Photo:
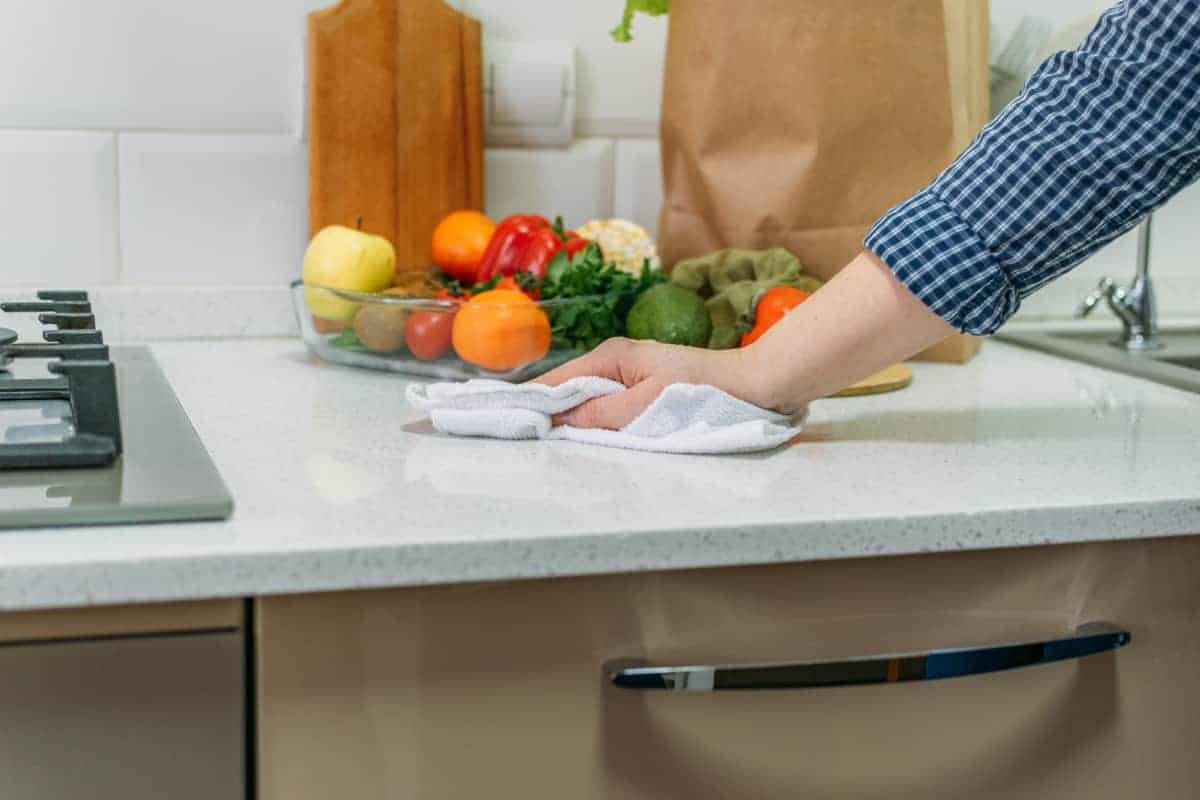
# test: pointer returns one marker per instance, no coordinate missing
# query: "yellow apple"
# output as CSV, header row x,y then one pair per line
x,y
343,258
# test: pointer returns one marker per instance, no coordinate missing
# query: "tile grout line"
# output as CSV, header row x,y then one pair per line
x,y
117,216
611,210
182,131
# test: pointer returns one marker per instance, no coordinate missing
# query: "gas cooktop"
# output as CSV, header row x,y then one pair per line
x,y
91,434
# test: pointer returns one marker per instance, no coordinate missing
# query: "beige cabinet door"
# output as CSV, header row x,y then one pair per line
x,y
497,690
123,719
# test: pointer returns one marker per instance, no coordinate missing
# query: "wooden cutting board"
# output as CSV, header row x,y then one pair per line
x,y
395,119
892,379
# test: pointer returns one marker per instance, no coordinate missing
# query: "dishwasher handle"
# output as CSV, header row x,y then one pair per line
x,y
1089,639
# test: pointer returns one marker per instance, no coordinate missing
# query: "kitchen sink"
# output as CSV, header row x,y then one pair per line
x,y
1176,364
1188,363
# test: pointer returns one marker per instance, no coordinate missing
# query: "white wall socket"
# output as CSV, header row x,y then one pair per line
x,y
529,93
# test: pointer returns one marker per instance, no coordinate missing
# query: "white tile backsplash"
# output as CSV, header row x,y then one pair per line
x,y
576,182
1174,266
212,209
1059,299
217,65
1175,249
638,189
58,200
619,85
203,101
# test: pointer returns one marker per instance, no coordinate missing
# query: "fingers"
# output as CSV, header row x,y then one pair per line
x,y
614,411
603,362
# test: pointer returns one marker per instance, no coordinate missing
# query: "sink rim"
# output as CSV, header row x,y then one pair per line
x,y
1093,347
1190,362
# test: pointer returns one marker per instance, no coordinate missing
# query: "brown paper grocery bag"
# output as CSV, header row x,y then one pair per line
x,y
797,123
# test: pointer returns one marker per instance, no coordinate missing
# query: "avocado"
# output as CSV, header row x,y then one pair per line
x,y
670,314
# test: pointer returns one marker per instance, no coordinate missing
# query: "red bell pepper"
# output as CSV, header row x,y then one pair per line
x,y
525,243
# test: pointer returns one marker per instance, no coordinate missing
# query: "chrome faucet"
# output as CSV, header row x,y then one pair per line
x,y
1134,304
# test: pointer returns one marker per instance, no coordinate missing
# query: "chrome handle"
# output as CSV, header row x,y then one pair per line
x,y
1106,290
1088,640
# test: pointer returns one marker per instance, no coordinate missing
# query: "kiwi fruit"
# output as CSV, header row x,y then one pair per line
x,y
380,326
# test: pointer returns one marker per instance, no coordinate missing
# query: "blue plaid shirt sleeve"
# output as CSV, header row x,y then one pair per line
x,y
1098,138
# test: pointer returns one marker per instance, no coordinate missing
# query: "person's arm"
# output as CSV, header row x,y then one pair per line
x,y
1099,137
860,322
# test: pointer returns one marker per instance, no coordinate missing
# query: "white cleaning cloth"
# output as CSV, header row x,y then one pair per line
x,y
684,419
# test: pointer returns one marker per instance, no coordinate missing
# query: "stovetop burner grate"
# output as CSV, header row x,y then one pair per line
x,y
80,373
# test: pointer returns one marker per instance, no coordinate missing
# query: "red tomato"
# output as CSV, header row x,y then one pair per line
x,y
427,333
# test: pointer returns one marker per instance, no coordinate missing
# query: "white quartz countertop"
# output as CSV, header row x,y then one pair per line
x,y
340,485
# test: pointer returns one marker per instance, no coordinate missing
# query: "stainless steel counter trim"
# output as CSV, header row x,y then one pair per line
x,y
1172,365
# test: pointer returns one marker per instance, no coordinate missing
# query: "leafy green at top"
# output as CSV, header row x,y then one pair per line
x,y
655,8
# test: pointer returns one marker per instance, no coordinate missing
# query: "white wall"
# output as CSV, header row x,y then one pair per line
x,y
158,143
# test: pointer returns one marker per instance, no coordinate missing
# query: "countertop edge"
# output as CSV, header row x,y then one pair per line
x,y
390,566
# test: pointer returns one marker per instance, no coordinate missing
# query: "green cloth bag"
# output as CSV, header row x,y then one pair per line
x,y
731,281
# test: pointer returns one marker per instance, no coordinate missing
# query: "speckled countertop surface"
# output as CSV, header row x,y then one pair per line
x,y
340,485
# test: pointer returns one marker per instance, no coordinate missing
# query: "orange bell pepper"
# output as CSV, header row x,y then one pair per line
x,y
773,306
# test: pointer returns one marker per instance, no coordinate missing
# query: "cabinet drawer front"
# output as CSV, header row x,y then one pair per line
x,y
123,719
498,690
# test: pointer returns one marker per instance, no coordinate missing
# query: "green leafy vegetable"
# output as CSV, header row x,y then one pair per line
x,y
527,281
655,8
456,288
346,340
487,285
584,325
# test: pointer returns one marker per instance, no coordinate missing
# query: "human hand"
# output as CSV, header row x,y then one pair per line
x,y
647,368
860,322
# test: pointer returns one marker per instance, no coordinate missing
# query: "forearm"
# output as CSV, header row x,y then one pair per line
x,y
859,323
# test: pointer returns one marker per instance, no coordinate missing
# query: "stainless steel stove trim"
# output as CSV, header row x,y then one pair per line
x,y
164,475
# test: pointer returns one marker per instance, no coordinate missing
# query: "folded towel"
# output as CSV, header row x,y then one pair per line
x,y
684,419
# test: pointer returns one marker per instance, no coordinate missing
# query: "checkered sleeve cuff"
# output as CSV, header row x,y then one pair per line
x,y
945,263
